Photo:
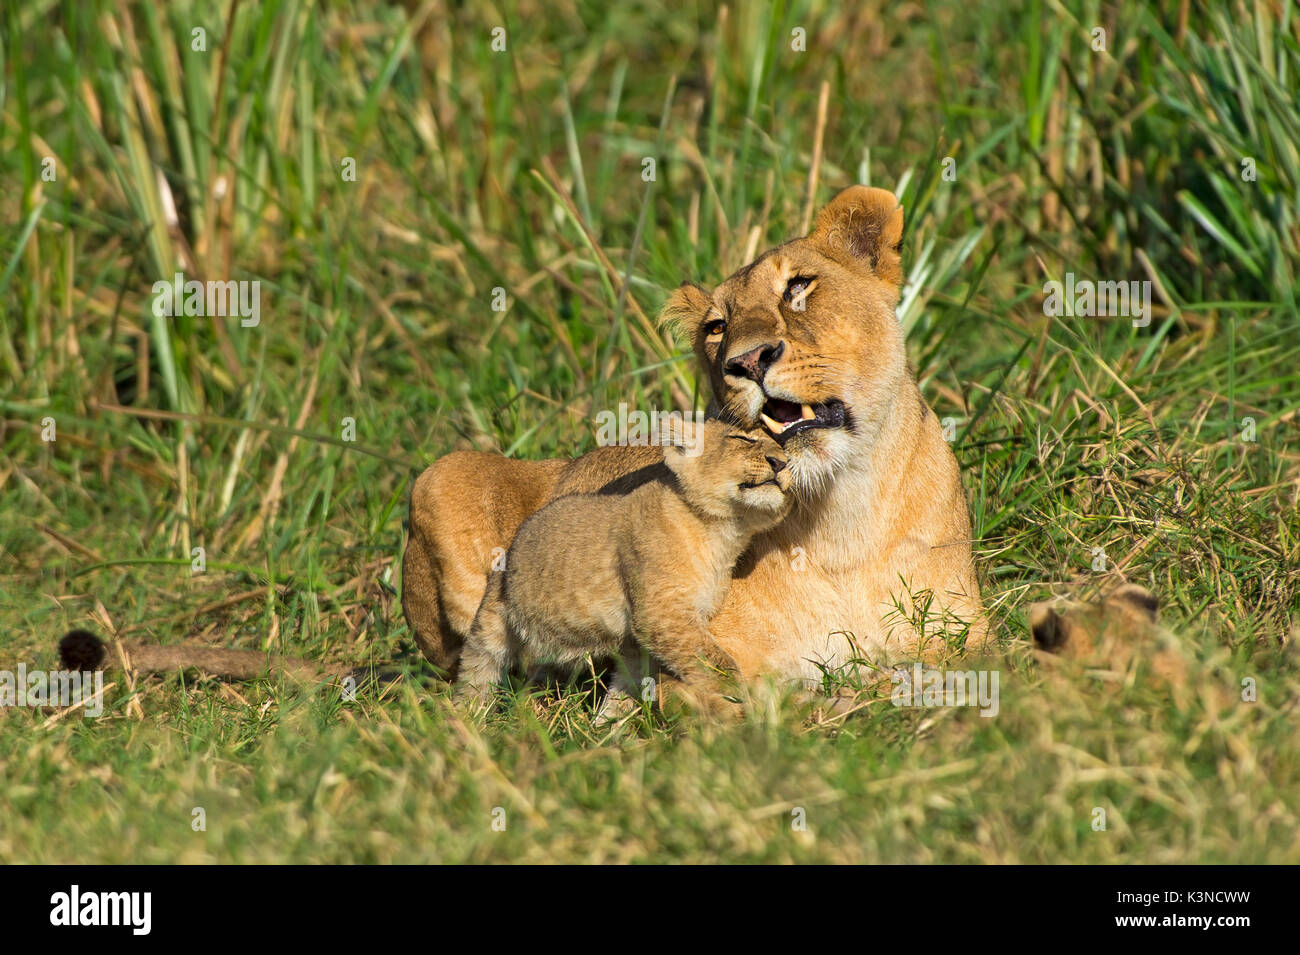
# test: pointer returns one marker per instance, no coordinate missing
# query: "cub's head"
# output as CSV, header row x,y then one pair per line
x,y
1127,615
1119,632
731,473
804,341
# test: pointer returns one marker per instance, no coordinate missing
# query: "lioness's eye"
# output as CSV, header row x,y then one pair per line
x,y
715,328
796,287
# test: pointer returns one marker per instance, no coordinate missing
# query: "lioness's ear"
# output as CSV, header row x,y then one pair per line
x,y
866,224
685,309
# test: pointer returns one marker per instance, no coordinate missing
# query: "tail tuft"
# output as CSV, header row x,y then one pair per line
x,y
81,650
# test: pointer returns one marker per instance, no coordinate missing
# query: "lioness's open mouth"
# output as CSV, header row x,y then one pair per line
x,y
785,419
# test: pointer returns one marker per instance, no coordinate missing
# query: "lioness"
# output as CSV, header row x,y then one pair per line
x,y
805,341
611,575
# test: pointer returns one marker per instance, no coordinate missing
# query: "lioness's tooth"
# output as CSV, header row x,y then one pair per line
x,y
773,426
808,414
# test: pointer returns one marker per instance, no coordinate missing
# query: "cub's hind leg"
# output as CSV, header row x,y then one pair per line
x,y
487,655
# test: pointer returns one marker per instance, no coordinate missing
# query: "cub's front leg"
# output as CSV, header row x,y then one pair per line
x,y
698,668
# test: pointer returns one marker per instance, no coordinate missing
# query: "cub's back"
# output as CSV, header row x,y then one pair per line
x,y
564,584
565,548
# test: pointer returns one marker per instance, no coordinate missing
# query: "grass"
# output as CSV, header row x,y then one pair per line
x,y
522,170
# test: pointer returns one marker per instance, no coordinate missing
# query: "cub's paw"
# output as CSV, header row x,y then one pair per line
x,y
617,705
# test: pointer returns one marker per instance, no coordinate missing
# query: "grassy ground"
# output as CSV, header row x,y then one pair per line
x,y
523,170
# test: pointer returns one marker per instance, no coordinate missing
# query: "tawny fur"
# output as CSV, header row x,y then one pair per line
x,y
1112,633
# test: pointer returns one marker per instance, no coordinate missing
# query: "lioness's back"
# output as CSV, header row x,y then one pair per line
x,y
611,470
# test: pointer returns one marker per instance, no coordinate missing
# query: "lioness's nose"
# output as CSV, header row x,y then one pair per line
x,y
777,465
755,362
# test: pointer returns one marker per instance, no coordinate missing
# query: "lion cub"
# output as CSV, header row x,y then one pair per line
x,y
610,575
1115,632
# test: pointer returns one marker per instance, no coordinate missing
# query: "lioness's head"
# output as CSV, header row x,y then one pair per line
x,y
732,473
804,341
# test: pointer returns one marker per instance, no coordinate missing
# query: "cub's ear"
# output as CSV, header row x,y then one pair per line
x,y
681,438
685,309
676,457
866,224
